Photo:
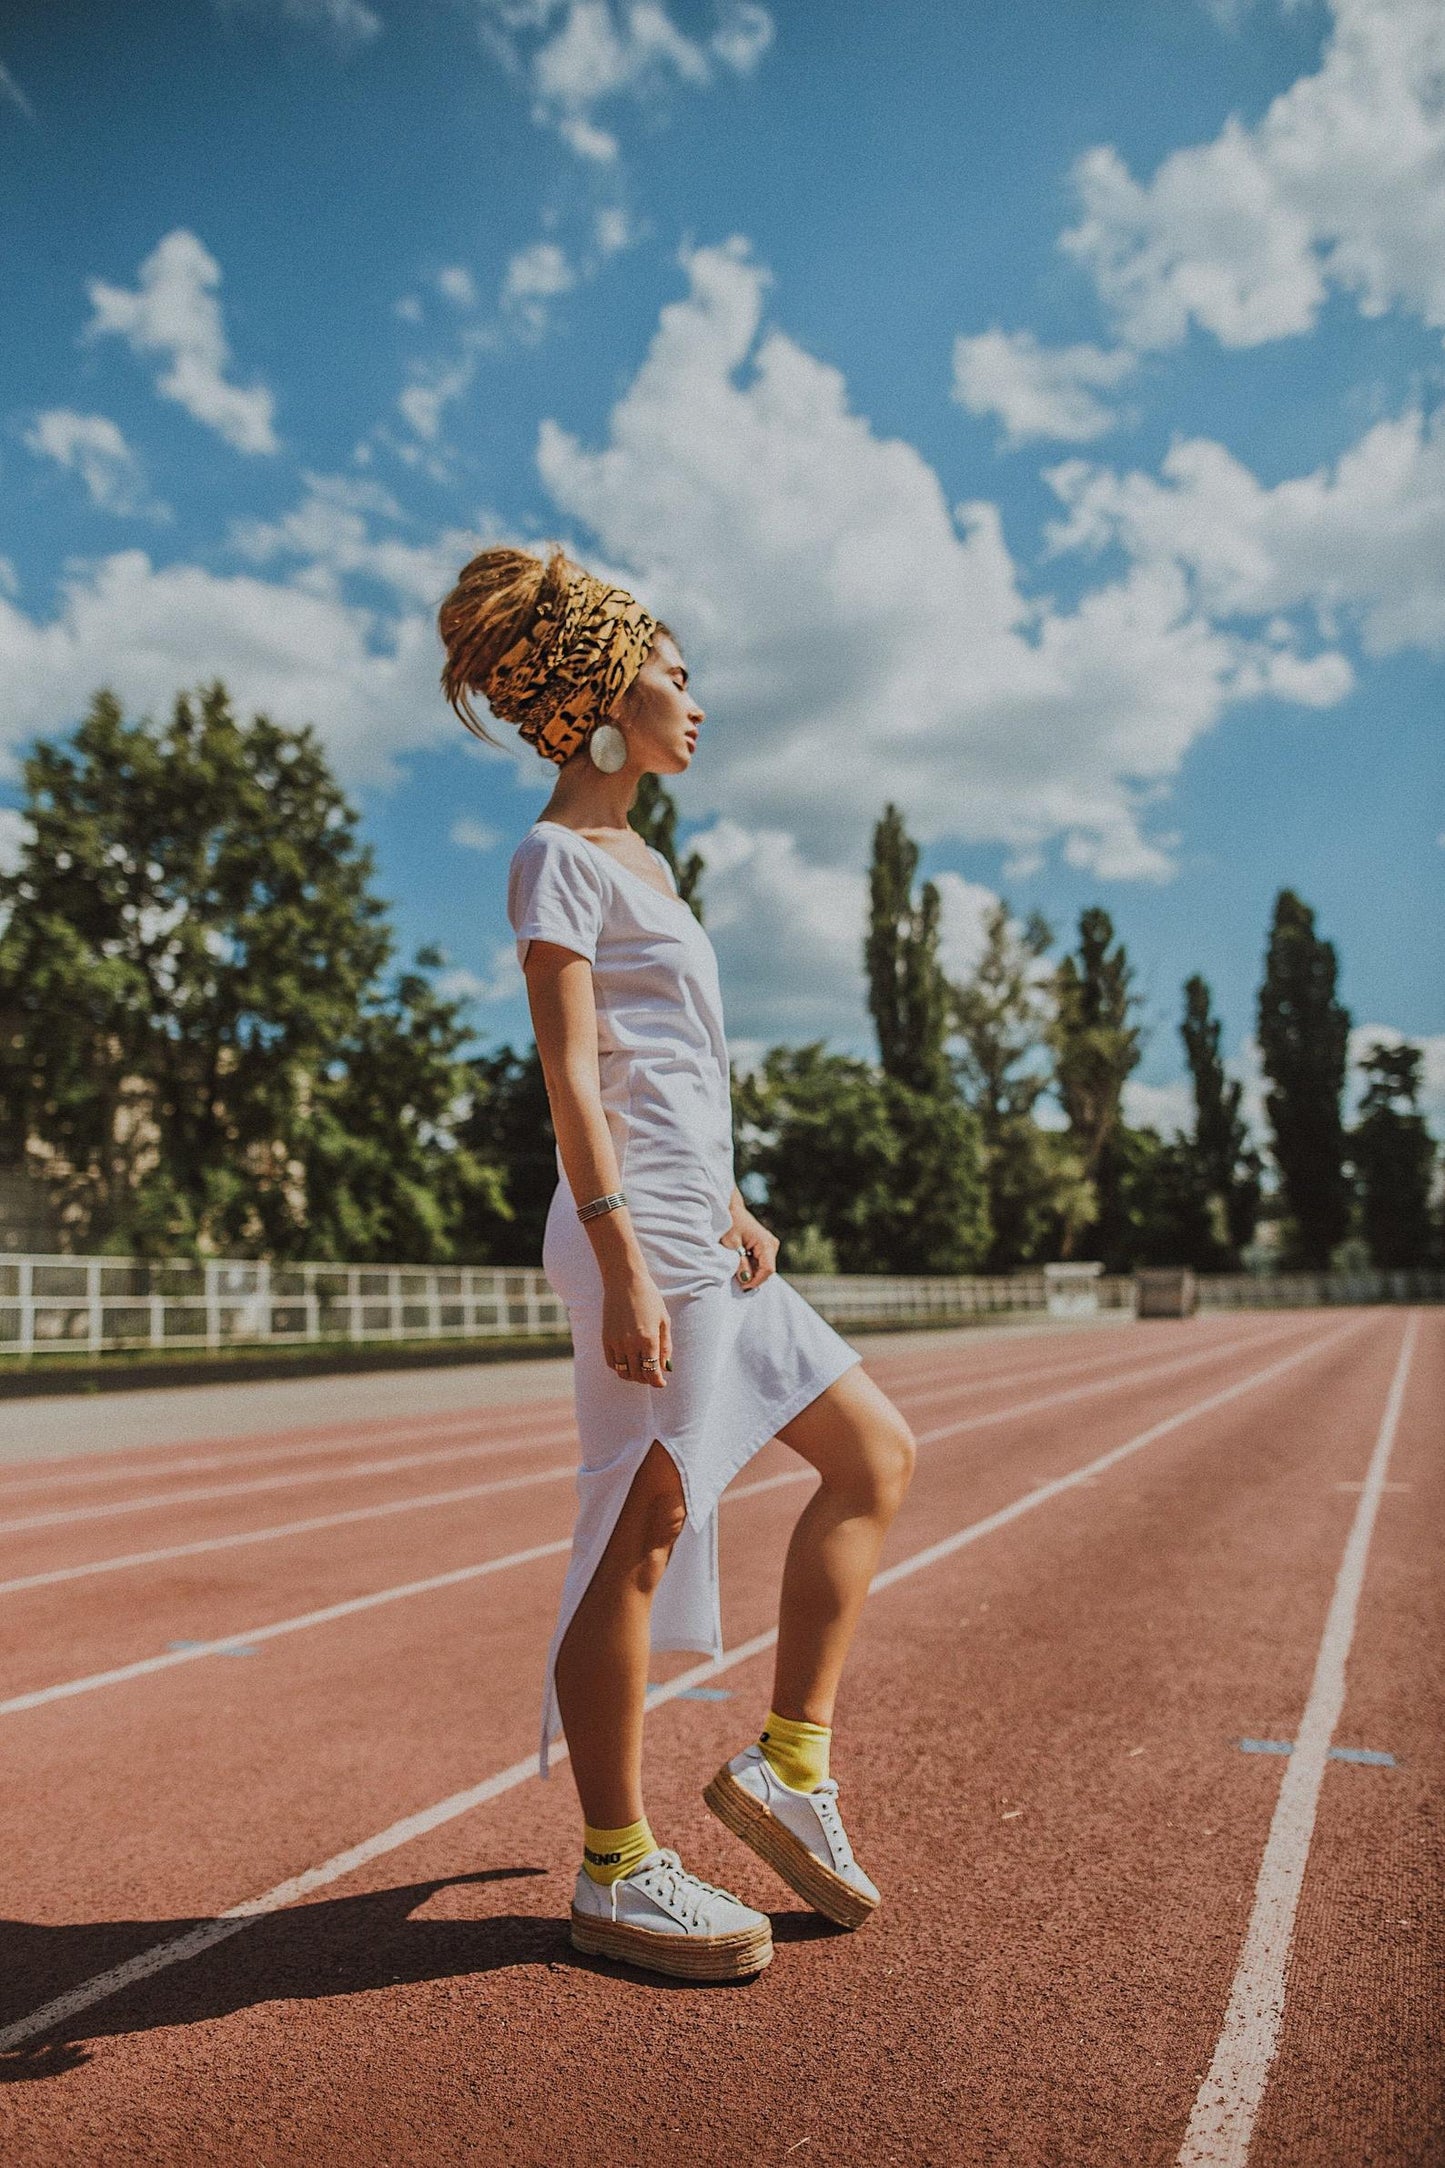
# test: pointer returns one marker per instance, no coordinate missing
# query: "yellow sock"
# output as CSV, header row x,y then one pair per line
x,y
609,1854
797,1752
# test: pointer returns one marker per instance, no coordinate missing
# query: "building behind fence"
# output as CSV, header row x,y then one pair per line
x,y
91,1305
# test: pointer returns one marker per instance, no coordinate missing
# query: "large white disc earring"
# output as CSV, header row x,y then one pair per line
x,y
608,748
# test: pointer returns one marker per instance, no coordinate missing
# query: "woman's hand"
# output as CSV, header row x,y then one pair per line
x,y
759,1248
636,1328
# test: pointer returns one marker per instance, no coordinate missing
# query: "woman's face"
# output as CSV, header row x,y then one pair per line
x,y
657,714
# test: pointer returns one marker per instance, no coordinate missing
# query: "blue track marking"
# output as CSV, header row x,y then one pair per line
x,y
1371,1756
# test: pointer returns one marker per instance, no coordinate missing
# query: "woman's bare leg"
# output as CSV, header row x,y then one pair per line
x,y
864,1451
602,1663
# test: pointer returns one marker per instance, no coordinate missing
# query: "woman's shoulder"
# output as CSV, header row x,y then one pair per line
x,y
549,840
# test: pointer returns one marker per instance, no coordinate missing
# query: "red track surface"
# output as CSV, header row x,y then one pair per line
x,y
1038,1745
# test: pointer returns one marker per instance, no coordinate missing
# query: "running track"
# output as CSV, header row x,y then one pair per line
x,y
283,1890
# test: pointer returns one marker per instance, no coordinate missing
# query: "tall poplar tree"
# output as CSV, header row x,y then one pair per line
x,y
1394,1159
907,993
1096,1045
1000,1019
1304,1033
1227,1165
937,1217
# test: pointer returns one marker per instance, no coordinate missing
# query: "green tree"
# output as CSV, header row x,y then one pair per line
x,y
812,1130
886,1175
1304,1033
198,1043
1394,1158
509,1122
907,993
654,816
1000,1015
1228,1167
1096,1046
390,1172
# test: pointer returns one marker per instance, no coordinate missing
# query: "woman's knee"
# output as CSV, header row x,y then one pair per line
x,y
875,1474
658,1516
895,1455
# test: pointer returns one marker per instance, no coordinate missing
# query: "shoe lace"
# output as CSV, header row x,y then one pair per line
x,y
685,1893
825,1801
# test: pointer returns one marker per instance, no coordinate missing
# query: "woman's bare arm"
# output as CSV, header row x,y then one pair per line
x,y
564,1020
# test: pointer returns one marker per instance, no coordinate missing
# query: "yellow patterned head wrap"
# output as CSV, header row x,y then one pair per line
x,y
582,650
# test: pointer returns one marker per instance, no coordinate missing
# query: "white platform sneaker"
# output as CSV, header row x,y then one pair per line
x,y
670,1921
799,1834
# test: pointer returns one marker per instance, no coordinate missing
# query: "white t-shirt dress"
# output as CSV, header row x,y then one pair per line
x,y
745,1360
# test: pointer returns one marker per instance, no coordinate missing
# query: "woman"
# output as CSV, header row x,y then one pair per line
x,y
691,1350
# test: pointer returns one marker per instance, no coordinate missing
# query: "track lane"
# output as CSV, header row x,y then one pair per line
x,y
369,1695
94,1631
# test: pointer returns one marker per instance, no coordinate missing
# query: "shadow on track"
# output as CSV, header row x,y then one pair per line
x,y
342,1946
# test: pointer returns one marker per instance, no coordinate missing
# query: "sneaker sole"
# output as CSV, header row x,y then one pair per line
x,y
786,1854
684,1957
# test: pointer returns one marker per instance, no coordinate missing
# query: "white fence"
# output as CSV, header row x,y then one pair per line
x,y
88,1305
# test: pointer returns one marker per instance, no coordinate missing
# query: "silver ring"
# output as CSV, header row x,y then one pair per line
x,y
621,1369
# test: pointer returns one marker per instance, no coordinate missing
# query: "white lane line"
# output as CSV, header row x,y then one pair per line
x,y
1222,2123
1068,1393
198,1939
354,1471
985,1384
55,1575
427,1501
1077,1478
435,1430
226,1644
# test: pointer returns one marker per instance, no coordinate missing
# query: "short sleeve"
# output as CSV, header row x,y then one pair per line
x,y
555,893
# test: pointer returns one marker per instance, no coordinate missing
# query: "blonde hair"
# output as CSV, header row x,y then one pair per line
x,y
491,608
495,604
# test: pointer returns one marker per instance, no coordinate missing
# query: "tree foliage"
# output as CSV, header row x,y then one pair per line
x,y
1000,1017
907,992
1096,1045
1227,1168
199,1042
886,1175
1394,1159
1304,1033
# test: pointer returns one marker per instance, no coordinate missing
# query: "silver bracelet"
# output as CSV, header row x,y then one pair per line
x,y
600,1205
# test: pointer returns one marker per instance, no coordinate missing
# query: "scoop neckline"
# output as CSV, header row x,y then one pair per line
x,y
617,862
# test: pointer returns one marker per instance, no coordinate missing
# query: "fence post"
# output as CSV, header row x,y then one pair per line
x,y
96,1335
26,1288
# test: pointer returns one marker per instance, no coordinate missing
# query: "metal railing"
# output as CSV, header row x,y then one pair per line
x,y
91,1305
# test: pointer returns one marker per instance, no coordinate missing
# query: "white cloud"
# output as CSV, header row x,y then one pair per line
x,y
350,22
1038,391
535,276
15,833
809,984
613,230
434,386
1364,540
503,980
470,834
964,907
174,313
91,446
577,55
1340,185
455,281
408,308
331,535
845,623
367,680
10,89
1432,1045
1167,1108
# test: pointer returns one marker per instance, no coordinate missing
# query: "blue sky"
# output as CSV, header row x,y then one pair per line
x,y
1030,415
